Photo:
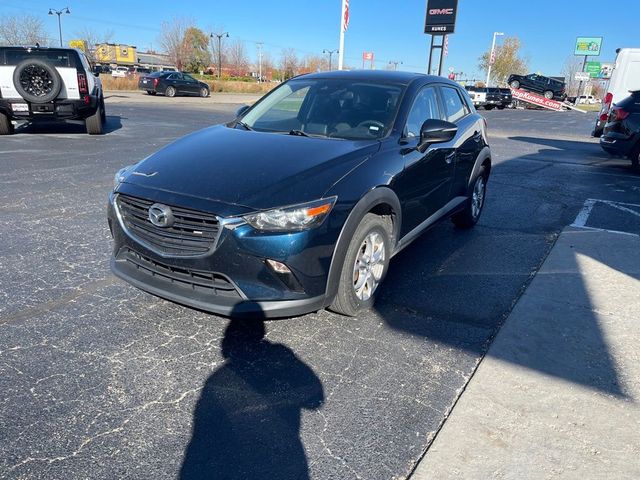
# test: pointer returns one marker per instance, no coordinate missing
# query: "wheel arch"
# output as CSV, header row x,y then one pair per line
x,y
382,201
483,160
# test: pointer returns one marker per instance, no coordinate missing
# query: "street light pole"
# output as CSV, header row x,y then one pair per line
x,y
259,44
219,36
59,13
395,64
330,52
491,55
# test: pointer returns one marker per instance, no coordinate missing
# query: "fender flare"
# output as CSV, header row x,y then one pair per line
x,y
373,198
484,154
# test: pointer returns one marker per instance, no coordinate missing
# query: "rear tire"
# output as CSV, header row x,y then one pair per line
x,y
468,217
170,92
6,127
95,123
515,84
548,94
365,266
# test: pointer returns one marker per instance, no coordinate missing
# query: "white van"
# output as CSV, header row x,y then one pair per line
x,y
624,78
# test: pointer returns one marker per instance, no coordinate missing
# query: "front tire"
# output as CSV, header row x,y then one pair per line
x,y
515,84
468,217
6,127
204,92
365,266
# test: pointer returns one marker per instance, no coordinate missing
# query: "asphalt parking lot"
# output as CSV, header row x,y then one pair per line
x,y
100,380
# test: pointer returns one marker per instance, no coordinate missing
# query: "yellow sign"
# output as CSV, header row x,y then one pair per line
x,y
79,44
120,54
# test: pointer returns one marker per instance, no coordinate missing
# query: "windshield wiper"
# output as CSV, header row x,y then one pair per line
x,y
244,125
299,133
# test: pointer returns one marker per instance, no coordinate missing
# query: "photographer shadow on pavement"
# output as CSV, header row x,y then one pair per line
x,y
247,420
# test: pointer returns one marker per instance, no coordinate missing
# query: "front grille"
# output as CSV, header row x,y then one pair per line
x,y
197,281
193,233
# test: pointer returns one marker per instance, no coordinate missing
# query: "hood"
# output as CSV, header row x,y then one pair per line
x,y
253,170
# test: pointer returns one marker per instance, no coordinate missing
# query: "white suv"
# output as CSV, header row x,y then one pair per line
x,y
39,83
120,72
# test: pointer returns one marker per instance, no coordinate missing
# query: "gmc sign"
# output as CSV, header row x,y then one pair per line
x,y
441,16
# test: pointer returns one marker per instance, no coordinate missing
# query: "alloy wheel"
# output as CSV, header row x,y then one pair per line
x,y
477,197
36,80
369,265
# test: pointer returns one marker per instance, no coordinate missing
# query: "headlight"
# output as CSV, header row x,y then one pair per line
x,y
121,176
294,218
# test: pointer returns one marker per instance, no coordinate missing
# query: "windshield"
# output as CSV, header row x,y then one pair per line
x,y
327,108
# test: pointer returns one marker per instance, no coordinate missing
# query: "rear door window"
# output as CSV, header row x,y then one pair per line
x,y
59,58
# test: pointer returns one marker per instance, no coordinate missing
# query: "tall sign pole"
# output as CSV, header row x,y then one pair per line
x,y
440,21
344,24
492,56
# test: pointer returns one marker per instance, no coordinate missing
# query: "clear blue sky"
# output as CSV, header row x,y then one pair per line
x,y
391,29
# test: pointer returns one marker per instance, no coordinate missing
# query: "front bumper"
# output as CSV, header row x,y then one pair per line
x,y
233,279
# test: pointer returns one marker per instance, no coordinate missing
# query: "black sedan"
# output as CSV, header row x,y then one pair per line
x,y
621,134
301,202
172,84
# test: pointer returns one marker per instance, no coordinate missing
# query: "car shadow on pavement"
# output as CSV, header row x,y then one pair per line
x,y
572,151
247,421
114,122
463,302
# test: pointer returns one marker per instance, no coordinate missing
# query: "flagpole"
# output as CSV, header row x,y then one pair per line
x,y
341,48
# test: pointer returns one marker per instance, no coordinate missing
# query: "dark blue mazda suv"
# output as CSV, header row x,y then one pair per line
x,y
301,202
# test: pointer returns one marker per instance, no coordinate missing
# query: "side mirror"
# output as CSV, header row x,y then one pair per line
x,y
241,110
436,131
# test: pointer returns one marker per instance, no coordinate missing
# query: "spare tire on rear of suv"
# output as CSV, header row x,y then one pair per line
x,y
37,81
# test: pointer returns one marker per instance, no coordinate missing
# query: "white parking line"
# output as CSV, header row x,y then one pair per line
x,y
587,208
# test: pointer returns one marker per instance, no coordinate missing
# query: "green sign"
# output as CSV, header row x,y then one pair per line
x,y
588,46
593,69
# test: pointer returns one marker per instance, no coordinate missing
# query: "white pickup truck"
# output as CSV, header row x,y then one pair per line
x,y
39,83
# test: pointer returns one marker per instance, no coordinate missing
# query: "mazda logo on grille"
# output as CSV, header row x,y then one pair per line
x,y
160,215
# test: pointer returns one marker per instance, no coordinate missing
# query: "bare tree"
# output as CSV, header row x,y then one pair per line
x,y
172,39
93,38
288,63
237,58
507,60
572,65
314,63
22,30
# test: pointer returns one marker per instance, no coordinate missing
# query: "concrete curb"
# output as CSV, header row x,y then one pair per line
x,y
557,394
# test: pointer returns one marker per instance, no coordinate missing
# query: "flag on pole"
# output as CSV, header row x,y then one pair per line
x,y
345,14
